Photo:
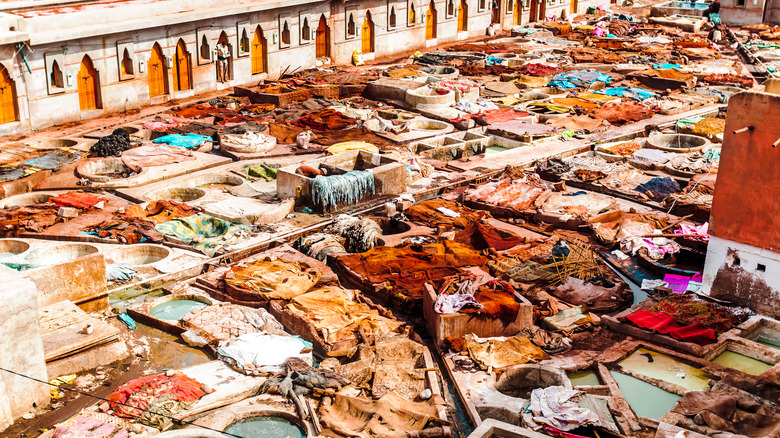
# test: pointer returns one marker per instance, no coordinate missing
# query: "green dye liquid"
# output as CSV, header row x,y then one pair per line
x,y
769,342
176,309
265,427
742,363
665,368
645,399
494,149
585,378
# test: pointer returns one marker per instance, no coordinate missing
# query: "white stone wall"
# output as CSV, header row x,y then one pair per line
x,y
747,275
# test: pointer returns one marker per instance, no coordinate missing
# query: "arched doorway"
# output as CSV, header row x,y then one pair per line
x,y
430,22
463,16
8,111
156,77
87,85
534,11
323,38
258,52
573,6
367,37
517,13
223,38
182,68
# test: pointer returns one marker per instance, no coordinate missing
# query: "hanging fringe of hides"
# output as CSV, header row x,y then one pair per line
x,y
319,245
349,188
581,262
361,234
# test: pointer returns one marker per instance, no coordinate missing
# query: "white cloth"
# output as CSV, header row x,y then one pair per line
x,y
446,304
265,353
552,406
223,51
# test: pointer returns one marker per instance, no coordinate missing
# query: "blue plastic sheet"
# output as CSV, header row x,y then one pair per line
x,y
635,93
187,141
667,66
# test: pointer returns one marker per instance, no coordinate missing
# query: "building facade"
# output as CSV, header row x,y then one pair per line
x,y
68,61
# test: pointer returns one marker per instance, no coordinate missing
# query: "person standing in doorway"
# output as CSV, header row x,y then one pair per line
x,y
223,53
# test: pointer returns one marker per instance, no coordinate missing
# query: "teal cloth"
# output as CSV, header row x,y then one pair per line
x,y
187,141
204,232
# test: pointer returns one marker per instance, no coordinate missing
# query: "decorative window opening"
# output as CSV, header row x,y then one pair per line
x,y
205,50
392,17
127,63
55,77
286,34
351,26
305,30
244,42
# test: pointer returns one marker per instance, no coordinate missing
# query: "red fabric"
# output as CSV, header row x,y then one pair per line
x,y
665,324
142,392
76,200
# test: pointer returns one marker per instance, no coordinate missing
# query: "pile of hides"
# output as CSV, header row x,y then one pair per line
x,y
349,188
658,188
482,235
186,141
361,234
249,141
579,123
441,213
124,230
692,163
577,205
160,211
111,145
54,160
600,298
689,318
158,125
326,120
408,269
250,211
93,425
622,112
508,193
28,218
554,406
80,200
158,155
726,412
576,260
270,279
223,322
320,245
263,354
569,320
206,233
656,247
339,317
479,295
144,397
394,365
502,352
619,225
634,93
391,416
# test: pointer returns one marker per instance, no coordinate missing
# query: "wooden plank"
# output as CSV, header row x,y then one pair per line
x,y
62,324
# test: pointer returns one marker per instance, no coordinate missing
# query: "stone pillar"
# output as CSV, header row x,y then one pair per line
x,y
21,350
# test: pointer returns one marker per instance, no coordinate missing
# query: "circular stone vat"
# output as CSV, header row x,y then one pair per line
x,y
504,55
677,142
140,254
426,96
423,124
12,247
392,114
53,143
174,310
131,130
60,254
266,426
24,199
390,227
178,194
214,181
103,169
519,381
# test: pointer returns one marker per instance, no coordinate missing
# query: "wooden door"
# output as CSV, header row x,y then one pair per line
x,y
8,111
182,64
368,35
534,7
573,6
258,52
87,85
156,77
323,38
542,10
517,13
463,16
430,22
